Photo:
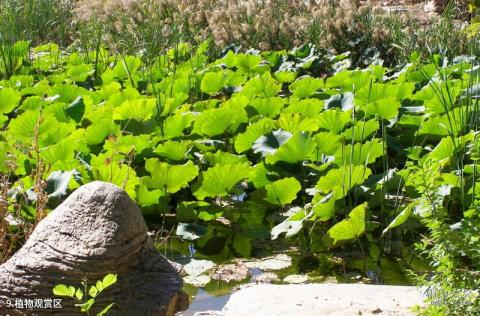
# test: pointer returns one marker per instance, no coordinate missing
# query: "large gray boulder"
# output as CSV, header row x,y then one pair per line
x,y
97,230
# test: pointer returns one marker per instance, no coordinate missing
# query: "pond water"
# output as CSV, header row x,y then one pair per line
x,y
318,268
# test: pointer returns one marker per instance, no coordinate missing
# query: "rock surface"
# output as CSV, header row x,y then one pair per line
x,y
323,299
97,230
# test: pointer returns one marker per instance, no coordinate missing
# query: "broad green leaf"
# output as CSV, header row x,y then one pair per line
x,y
173,150
326,144
80,73
361,131
147,197
224,158
351,227
175,125
384,109
76,109
219,180
283,191
139,109
269,107
268,144
261,86
120,174
244,141
9,100
298,148
333,120
343,179
170,178
306,107
359,154
213,82
296,123
305,86
401,217
213,122
324,209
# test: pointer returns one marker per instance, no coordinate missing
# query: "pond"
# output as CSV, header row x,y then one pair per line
x,y
209,280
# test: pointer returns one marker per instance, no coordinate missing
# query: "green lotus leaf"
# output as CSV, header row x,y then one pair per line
x,y
269,107
401,217
170,178
126,67
9,100
76,109
360,154
333,120
296,123
282,192
213,122
306,107
224,158
138,109
173,150
120,174
342,180
285,76
305,86
384,109
62,152
351,227
127,143
80,73
213,82
146,197
361,131
261,86
244,141
269,143
260,176
219,180
298,148
246,62
326,144
174,125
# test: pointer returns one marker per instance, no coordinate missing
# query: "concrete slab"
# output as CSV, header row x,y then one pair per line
x,y
323,299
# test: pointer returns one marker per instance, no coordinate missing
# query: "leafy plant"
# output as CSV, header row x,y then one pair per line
x,y
85,295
